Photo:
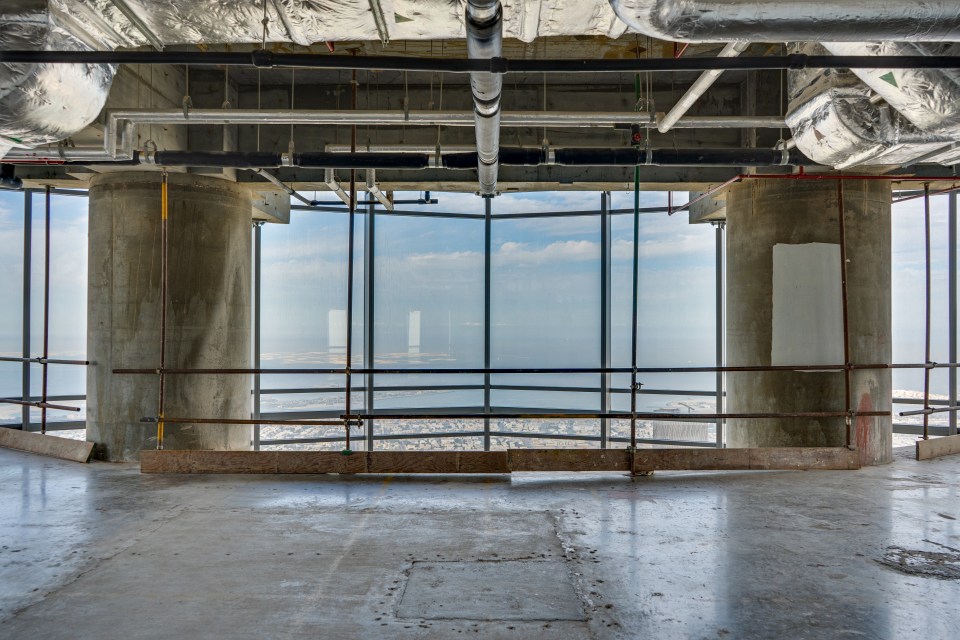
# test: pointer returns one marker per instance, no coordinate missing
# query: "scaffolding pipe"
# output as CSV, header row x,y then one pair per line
x,y
46,312
265,59
700,86
484,25
927,305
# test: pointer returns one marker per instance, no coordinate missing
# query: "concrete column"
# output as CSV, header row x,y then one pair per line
x,y
760,215
208,314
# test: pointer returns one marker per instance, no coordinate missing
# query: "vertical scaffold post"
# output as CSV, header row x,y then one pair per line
x,y
164,283
46,309
841,222
257,285
927,304
27,262
348,385
487,245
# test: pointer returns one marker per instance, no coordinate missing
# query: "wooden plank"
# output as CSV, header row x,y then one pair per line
x,y
46,445
804,458
320,462
484,462
174,461
569,460
396,462
773,458
936,447
413,461
687,459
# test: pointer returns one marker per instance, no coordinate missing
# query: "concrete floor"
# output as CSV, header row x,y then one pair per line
x,y
100,551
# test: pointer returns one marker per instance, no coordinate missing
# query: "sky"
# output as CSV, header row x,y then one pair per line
x,y
545,286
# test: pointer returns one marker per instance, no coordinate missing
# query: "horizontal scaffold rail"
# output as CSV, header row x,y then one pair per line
x,y
540,370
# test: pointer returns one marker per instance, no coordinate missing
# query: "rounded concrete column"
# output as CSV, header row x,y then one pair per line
x,y
208,313
762,214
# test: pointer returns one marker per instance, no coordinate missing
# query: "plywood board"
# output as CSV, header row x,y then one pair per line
x,y
46,445
936,447
569,460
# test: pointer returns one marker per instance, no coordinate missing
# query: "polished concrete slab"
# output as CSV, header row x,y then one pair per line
x,y
102,551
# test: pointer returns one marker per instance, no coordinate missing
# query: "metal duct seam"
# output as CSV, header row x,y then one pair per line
x,y
43,103
792,20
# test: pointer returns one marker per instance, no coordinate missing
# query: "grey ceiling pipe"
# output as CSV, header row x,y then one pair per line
x,y
484,22
792,20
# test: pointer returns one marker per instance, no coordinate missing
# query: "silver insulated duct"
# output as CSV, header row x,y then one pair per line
x,y
43,103
792,20
484,23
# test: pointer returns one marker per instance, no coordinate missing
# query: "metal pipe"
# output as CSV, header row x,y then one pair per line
x,y
791,20
39,360
334,185
635,294
43,405
952,302
700,86
216,421
25,319
369,315
262,58
164,275
257,288
719,328
375,191
484,26
686,417
542,370
841,223
279,183
927,305
487,313
46,311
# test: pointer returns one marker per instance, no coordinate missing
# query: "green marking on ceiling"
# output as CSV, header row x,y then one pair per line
x,y
399,18
888,77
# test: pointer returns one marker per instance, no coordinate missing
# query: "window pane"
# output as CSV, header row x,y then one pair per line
x,y
11,279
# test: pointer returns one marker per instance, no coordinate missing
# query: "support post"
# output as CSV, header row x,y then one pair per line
x,y
719,328
27,262
257,262
605,315
487,242
46,309
952,303
369,237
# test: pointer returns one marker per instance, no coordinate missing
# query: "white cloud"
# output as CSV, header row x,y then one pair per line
x,y
521,253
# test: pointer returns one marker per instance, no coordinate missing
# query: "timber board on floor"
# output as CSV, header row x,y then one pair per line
x,y
446,462
46,445
936,447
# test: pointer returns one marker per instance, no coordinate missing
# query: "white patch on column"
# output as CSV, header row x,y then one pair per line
x,y
807,305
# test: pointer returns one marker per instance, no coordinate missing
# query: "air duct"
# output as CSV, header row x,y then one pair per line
x,y
44,103
484,23
876,116
792,20
837,121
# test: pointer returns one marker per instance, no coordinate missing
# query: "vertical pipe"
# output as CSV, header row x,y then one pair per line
x,y
164,268
842,229
27,263
350,251
257,262
605,300
487,241
719,334
46,309
952,303
636,307
926,371
369,291
484,26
